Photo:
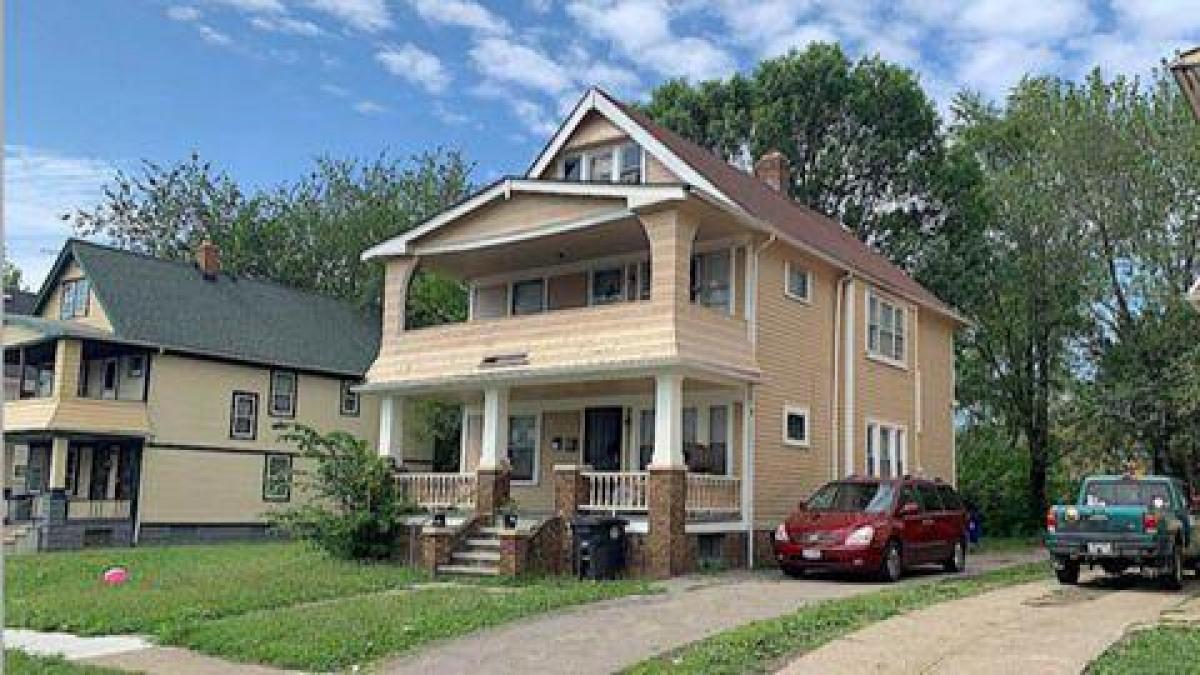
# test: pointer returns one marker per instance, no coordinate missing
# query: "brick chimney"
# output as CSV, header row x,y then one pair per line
x,y
208,259
772,169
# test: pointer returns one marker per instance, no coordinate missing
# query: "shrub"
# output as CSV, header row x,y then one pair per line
x,y
353,508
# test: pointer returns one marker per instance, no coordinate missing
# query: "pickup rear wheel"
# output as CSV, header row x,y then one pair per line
x,y
1172,578
1067,572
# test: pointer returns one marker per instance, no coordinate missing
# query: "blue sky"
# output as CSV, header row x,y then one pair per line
x,y
260,87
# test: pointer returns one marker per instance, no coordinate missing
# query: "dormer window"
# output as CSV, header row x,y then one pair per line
x,y
605,164
74,301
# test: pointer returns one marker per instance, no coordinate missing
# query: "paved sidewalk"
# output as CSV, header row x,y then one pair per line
x,y
608,636
1059,630
69,646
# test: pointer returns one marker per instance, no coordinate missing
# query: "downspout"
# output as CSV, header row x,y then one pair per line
x,y
837,368
848,383
748,412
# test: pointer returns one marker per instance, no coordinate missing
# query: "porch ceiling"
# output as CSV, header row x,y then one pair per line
x,y
622,235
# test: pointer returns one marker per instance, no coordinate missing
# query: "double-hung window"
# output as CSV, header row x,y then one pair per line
x,y
600,165
529,297
886,451
630,166
522,447
711,279
74,300
798,282
795,426
885,329
277,478
243,416
283,393
350,401
607,285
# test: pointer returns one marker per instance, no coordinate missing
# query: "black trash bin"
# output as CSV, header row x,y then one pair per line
x,y
598,543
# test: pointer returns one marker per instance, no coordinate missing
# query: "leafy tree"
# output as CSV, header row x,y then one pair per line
x,y
309,234
862,137
13,277
352,508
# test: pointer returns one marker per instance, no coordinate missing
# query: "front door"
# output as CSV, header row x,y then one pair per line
x,y
602,438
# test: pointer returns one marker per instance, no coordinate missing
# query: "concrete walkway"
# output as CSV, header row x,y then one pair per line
x,y
1059,629
608,636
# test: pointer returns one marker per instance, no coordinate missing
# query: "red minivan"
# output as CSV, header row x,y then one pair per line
x,y
875,526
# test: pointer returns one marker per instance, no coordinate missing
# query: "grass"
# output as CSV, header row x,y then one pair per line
x,y
1009,544
344,633
180,585
17,662
1163,649
762,646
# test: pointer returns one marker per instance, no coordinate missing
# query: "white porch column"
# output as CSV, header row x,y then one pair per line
x,y
391,428
668,421
494,448
58,463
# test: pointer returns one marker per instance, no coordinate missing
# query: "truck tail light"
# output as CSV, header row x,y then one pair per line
x,y
1150,522
1051,521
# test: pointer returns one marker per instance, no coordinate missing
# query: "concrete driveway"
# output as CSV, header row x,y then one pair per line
x,y
1040,628
608,636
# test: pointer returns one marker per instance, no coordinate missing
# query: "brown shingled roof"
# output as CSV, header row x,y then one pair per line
x,y
793,220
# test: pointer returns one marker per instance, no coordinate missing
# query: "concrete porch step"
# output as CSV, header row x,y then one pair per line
x,y
469,570
480,556
484,543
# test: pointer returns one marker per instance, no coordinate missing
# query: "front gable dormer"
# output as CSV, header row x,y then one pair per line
x,y
68,294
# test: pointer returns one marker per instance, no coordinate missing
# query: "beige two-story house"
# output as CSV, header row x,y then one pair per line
x,y
145,398
657,334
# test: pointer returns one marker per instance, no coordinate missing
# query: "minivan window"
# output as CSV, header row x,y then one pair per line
x,y
930,499
950,498
853,497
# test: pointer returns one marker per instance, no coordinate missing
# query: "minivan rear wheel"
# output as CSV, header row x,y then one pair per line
x,y
957,561
892,566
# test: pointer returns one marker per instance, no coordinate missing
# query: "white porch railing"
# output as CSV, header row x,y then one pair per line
x,y
98,509
623,491
713,494
438,490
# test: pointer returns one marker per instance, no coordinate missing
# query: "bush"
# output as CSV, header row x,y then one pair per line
x,y
993,474
353,509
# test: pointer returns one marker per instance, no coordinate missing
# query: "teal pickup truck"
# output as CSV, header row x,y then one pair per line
x,y
1121,522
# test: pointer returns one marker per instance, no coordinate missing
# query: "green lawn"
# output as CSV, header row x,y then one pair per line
x,y
762,646
17,662
179,585
1008,544
1161,650
340,634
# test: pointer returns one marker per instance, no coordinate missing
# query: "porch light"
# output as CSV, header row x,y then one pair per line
x,y
1186,70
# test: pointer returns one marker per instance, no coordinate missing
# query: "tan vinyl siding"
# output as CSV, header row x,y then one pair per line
x,y
795,354
186,485
95,318
567,291
936,362
190,402
521,213
885,392
657,172
592,130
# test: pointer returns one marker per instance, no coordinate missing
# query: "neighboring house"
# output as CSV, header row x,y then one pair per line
x,y
17,301
144,398
656,334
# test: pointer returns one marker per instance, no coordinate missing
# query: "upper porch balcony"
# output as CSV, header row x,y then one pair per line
x,y
57,383
567,284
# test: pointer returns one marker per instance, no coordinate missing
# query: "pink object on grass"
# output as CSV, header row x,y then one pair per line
x,y
115,576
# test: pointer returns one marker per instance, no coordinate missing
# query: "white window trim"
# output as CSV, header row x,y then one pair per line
x,y
252,433
702,404
512,296
591,275
615,148
536,414
873,354
797,410
787,283
872,431
272,411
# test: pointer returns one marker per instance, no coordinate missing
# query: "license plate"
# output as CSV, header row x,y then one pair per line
x,y
1100,548
811,554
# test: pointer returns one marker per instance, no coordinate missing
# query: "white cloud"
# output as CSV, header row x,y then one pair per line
x,y
369,107
534,117
369,16
286,24
183,13
501,60
213,36
641,31
448,116
40,186
256,6
996,66
1028,20
461,13
1158,18
335,90
416,65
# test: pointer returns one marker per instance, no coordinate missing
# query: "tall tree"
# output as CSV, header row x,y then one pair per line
x,y
309,233
13,277
862,137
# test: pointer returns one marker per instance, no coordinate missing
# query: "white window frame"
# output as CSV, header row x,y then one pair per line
x,y
252,434
703,406
873,351
345,391
268,460
898,449
804,412
272,392
788,267
537,445
729,250
616,150
591,284
510,305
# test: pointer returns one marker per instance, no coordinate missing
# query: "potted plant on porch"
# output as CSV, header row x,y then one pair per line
x,y
508,513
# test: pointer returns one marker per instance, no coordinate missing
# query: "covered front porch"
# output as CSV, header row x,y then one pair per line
x,y
662,448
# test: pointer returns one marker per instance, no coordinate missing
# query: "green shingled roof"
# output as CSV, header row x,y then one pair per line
x,y
170,304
